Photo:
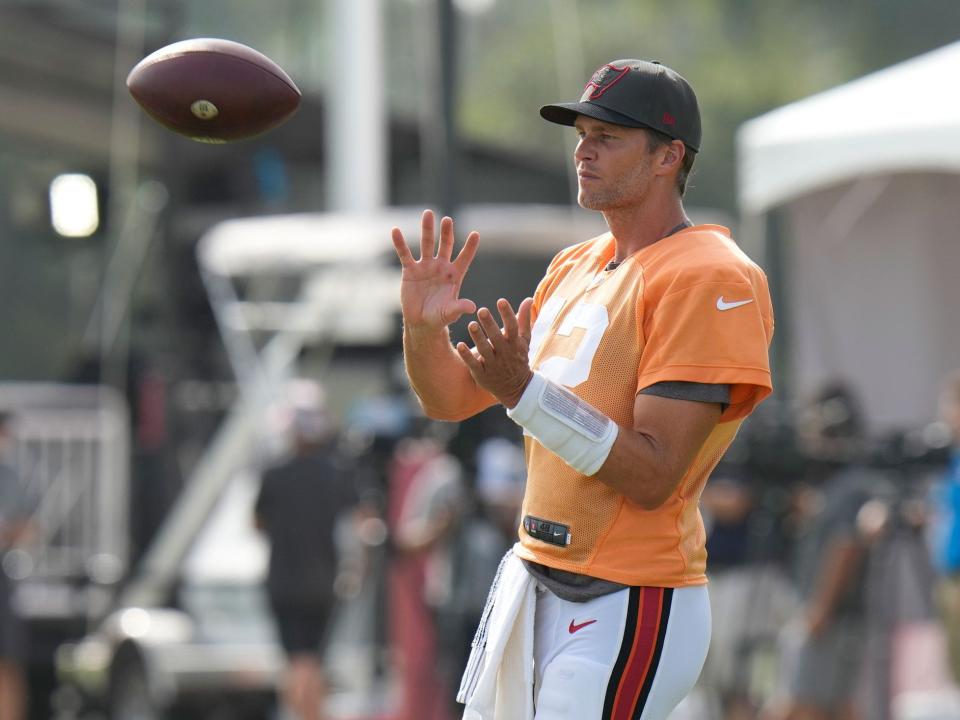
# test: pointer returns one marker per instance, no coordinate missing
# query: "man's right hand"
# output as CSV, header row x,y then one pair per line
x,y
430,287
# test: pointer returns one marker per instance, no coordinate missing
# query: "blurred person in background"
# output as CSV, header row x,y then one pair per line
x,y
823,661
486,532
748,590
945,524
726,503
300,502
630,369
501,478
16,525
426,503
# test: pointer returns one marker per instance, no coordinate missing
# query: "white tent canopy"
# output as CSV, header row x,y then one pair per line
x,y
904,118
864,259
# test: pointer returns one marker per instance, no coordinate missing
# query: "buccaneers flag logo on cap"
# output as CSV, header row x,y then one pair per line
x,y
602,80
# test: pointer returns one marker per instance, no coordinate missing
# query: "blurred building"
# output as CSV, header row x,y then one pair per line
x,y
101,209
66,111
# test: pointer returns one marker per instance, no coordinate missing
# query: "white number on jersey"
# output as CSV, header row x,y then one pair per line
x,y
589,317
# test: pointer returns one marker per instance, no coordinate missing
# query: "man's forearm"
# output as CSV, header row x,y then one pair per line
x,y
644,463
439,378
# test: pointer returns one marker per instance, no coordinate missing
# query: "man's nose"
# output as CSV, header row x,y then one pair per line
x,y
584,150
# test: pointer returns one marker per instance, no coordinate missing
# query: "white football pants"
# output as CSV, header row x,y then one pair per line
x,y
630,655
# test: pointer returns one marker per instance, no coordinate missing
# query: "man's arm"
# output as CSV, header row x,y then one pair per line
x,y
647,461
438,377
644,462
429,299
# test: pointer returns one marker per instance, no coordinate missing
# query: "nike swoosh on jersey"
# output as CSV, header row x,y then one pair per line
x,y
723,305
574,627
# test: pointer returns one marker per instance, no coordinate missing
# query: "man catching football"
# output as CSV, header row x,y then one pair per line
x,y
630,371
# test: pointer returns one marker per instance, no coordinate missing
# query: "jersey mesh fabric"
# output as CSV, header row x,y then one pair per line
x,y
669,312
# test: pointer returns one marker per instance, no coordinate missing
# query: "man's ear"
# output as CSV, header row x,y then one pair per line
x,y
673,155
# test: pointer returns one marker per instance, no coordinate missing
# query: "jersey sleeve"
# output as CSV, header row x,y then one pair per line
x,y
711,325
698,392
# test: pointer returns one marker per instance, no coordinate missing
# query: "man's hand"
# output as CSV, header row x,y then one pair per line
x,y
499,362
430,300
430,286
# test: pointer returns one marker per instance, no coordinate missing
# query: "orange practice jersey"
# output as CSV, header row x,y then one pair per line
x,y
690,307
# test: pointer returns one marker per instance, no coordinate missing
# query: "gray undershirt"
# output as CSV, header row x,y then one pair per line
x,y
575,587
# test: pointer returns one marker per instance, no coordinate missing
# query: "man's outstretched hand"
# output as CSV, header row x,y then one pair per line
x,y
499,361
430,287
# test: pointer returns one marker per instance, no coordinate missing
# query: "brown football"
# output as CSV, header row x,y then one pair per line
x,y
213,90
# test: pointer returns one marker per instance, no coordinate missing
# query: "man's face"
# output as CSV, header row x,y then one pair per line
x,y
614,164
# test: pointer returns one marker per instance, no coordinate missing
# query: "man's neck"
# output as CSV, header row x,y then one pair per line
x,y
637,227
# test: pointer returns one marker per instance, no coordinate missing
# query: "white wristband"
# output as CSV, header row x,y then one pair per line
x,y
565,424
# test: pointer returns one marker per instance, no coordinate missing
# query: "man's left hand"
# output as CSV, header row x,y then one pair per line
x,y
499,360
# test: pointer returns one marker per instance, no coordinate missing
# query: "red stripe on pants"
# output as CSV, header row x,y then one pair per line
x,y
641,654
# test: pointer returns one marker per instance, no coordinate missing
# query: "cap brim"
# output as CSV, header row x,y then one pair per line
x,y
567,113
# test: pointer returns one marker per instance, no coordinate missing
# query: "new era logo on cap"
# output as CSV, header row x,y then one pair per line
x,y
636,93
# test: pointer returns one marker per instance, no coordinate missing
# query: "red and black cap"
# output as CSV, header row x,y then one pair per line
x,y
636,93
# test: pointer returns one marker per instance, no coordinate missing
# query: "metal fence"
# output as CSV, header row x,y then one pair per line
x,y
71,454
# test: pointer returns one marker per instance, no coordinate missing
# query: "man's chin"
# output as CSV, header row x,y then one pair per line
x,y
592,202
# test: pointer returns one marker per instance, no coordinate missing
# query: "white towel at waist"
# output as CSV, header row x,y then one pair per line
x,y
498,681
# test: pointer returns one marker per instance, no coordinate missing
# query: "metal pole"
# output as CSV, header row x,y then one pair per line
x,y
439,141
570,67
356,125
448,147
124,161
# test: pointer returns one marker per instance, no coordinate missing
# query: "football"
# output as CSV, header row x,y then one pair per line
x,y
213,90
